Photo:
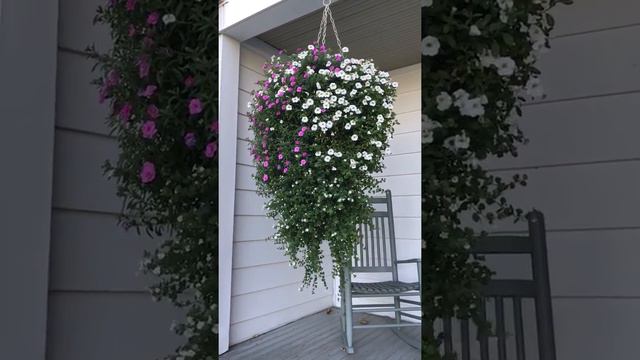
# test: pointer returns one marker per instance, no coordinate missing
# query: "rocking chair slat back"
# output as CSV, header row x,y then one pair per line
x,y
376,250
500,291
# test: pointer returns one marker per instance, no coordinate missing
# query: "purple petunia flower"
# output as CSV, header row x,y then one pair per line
x,y
148,91
210,150
149,129
189,81
153,111
125,112
153,18
131,5
148,172
265,178
296,149
303,162
190,140
195,106
143,66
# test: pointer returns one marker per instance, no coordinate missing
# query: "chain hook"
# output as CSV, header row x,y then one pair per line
x,y
326,2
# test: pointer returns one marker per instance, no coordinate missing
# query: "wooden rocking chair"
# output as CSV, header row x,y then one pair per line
x,y
516,291
376,253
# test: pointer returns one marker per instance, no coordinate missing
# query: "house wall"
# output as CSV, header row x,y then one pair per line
x,y
583,162
99,307
264,289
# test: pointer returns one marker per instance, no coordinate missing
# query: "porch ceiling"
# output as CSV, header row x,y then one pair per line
x,y
384,30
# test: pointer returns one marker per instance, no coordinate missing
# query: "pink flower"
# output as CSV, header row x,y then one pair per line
x,y
338,57
303,162
152,19
280,156
301,133
125,112
190,140
143,66
153,111
113,78
214,127
296,149
195,106
131,5
189,81
149,129
265,178
148,91
210,150
285,170
148,172
147,42
265,164
299,89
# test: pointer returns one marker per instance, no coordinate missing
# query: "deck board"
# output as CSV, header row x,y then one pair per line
x,y
318,337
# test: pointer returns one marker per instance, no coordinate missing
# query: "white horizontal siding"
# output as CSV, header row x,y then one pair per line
x,y
99,307
583,163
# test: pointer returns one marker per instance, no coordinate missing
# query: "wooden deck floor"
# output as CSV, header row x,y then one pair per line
x,y
318,337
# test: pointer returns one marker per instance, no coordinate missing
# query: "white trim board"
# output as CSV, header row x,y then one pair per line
x,y
269,18
228,70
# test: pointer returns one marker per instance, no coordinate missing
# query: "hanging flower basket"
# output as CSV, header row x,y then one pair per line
x,y
321,124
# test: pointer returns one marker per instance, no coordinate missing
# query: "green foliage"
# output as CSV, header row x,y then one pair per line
x,y
321,124
160,79
478,68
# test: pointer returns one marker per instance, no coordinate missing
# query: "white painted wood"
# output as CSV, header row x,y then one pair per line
x,y
255,304
248,80
249,228
78,96
84,248
107,326
76,26
79,181
229,67
594,15
243,22
28,41
577,131
255,253
580,66
609,325
581,197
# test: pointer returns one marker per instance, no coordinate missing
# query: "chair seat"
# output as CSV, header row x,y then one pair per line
x,y
384,287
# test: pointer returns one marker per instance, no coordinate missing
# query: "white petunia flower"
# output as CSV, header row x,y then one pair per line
x,y
168,19
506,66
430,46
327,158
354,137
474,31
444,101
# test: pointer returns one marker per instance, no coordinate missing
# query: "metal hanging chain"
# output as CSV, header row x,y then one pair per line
x,y
327,16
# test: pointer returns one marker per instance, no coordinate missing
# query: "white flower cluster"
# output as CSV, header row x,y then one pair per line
x,y
474,105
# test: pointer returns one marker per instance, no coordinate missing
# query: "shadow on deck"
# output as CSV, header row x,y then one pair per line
x,y
318,337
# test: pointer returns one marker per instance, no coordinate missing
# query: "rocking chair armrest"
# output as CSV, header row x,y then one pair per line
x,y
408,261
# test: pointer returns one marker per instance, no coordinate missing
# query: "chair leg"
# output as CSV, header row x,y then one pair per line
x,y
349,315
398,316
